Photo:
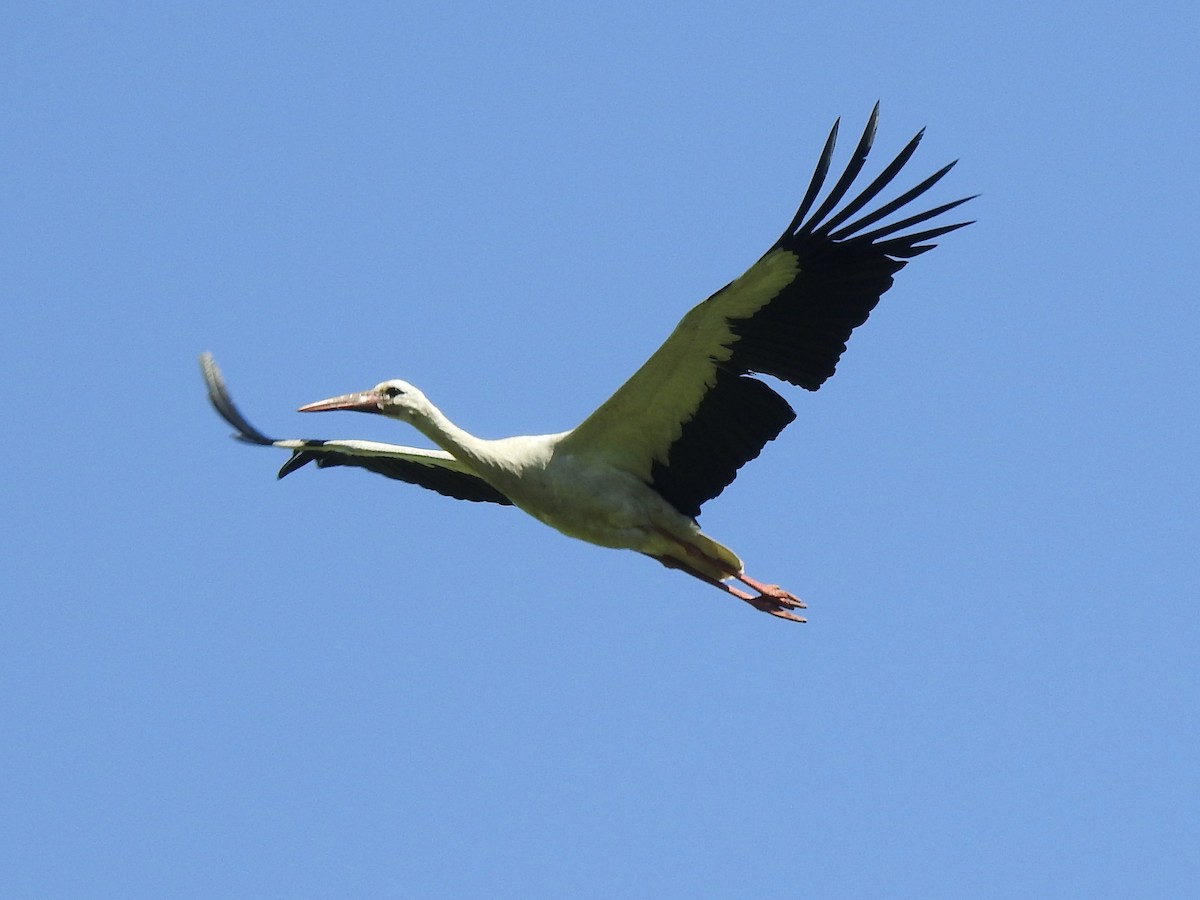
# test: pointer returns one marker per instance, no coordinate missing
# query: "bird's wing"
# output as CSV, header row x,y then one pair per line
x,y
690,417
433,469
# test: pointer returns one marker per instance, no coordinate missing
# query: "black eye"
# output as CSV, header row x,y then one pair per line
x,y
392,392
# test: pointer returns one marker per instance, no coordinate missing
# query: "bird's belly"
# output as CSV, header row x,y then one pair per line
x,y
606,525
610,509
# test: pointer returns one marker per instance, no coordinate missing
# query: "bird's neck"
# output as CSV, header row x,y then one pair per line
x,y
458,442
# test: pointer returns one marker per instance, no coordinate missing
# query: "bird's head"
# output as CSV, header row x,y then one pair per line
x,y
396,399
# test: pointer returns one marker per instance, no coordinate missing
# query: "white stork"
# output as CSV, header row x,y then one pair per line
x,y
635,472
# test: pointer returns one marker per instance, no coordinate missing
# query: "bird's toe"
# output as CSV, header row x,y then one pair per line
x,y
784,614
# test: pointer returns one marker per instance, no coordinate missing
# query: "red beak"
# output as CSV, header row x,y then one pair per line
x,y
365,401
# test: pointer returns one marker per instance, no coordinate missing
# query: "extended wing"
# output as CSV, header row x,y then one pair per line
x,y
432,469
690,417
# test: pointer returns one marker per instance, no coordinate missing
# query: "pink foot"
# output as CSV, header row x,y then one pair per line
x,y
773,592
776,606
770,599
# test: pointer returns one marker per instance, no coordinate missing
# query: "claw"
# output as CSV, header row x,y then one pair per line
x,y
789,601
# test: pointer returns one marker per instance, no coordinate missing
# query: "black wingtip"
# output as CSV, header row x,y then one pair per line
x,y
815,183
857,160
826,224
298,460
218,396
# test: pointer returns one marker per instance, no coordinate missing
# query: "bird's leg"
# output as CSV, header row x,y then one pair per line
x,y
770,598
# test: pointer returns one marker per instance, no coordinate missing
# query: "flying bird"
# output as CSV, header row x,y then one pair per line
x,y
635,473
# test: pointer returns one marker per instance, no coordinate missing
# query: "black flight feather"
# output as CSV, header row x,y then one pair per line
x,y
738,417
800,334
447,482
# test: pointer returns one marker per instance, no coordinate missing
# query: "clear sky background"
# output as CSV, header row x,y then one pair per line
x,y
217,685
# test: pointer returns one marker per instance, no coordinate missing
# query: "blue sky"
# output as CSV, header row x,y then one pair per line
x,y
217,685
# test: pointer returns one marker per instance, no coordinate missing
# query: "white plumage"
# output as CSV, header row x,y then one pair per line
x,y
634,474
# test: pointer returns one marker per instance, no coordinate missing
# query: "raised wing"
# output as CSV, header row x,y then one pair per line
x,y
691,416
432,469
